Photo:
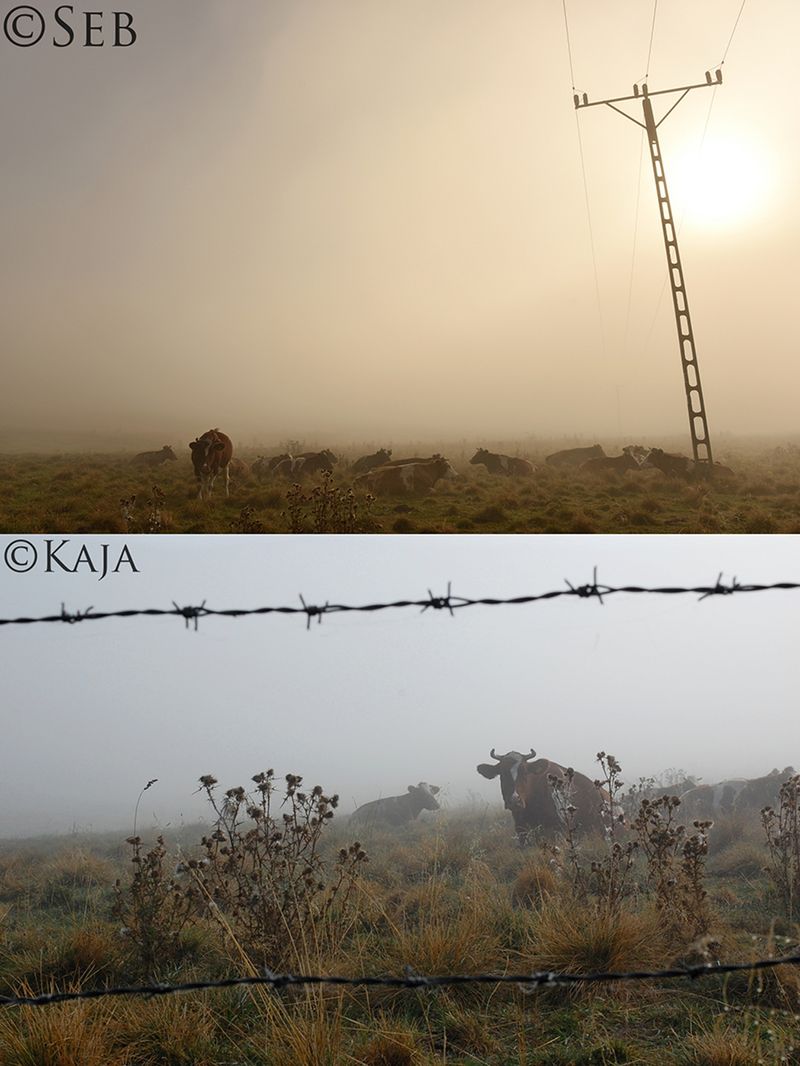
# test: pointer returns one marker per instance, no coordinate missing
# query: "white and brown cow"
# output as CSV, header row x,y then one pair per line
x,y
409,479
496,463
540,794
211,456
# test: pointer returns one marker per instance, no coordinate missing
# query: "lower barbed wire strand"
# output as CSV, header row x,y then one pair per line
x,y
411,980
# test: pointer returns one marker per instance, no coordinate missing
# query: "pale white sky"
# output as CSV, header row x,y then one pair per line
x,y
367,704
353,220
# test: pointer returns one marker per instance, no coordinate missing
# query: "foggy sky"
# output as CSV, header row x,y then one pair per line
x,y
368,219
366,704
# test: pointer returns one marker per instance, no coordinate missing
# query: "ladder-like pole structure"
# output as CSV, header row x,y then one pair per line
x,y
698,422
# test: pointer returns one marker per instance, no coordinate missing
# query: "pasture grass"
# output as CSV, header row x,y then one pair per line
x,y
452,893
106,493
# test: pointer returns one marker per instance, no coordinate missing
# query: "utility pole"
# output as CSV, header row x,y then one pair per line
x,y
698,423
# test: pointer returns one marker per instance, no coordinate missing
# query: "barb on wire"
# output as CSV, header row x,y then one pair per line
x,y
411,979
587,591
313,612
191,614
722,590
439,603
78,616
449,602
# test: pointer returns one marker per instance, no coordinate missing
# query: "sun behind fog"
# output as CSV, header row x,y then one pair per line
x,y
725,183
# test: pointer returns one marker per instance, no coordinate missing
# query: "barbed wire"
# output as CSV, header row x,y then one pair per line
x,y
411,979
449,602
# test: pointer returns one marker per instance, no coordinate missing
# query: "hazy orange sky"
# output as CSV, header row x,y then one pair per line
x,y
367,219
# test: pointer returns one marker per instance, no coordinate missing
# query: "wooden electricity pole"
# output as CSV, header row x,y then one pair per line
x,y
698,423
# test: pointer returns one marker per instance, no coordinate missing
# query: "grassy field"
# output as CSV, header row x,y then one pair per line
x,y
94,493
450,894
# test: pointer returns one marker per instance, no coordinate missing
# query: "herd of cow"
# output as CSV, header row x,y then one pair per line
x,y
539,794
212,457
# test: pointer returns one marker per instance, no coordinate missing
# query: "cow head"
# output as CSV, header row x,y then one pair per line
x,y
443,468
203,448
168,453
479,456
509,767
425,796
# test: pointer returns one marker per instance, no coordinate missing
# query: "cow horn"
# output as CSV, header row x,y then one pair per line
x,y
493,756
531,756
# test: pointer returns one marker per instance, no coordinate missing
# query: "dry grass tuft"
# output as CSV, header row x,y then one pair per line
x,y
571,937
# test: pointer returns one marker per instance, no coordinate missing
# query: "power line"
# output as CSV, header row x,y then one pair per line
x,y
733,31
449,602
410,980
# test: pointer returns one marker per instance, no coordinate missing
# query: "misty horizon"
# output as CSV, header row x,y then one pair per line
x,y
347,220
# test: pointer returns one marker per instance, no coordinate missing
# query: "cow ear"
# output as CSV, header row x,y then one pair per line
x,y
194,444
486,769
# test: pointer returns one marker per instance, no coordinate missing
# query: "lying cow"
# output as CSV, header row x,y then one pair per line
x,y
305,464
165,454
398,810
369,462
616,464
670,463
497,463
575,456
211,456
410,479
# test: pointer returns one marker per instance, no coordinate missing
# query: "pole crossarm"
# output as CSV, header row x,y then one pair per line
x,y
582,100
698,422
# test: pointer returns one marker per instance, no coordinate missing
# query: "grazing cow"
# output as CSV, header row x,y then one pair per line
x,y
711,801
501,464
617,464
154,458
369,462
535,804
574,456
211,456
398,810
410,479
669,463
762,791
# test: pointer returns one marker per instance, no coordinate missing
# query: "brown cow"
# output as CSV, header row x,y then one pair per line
x,y
670,463
398,810
410,479
370,462
575,456
211,456
536,806
496,463
154,458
